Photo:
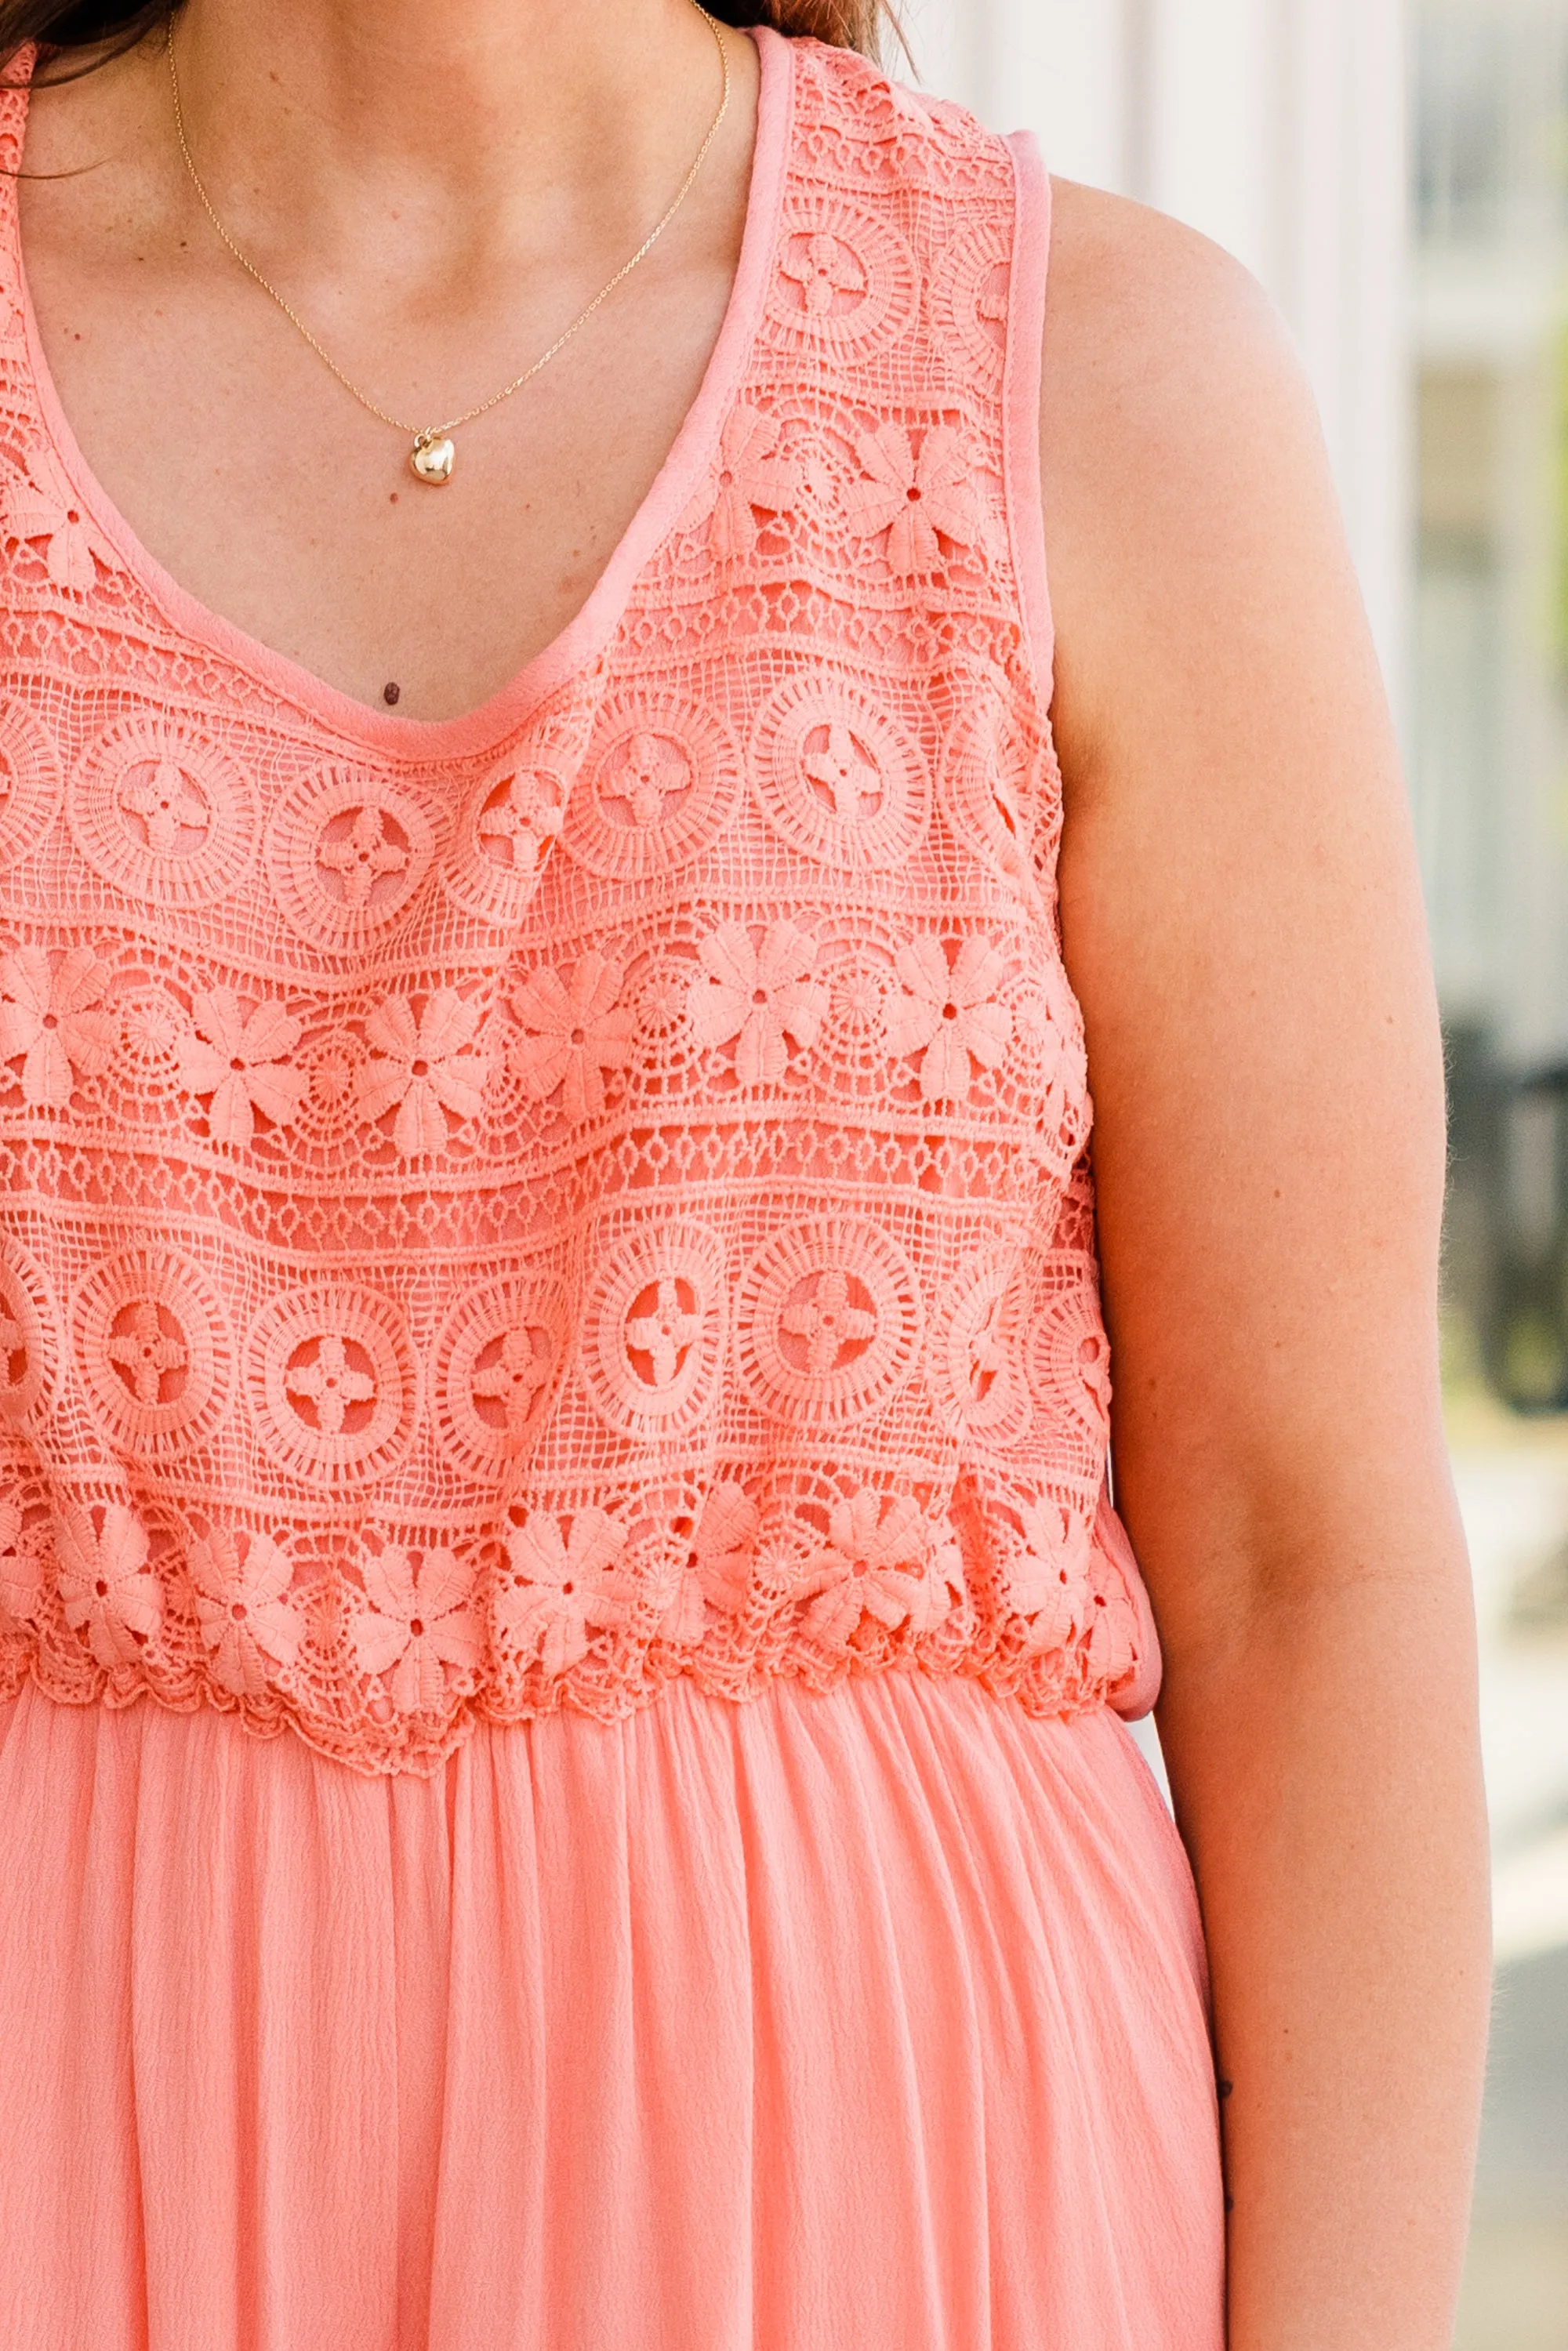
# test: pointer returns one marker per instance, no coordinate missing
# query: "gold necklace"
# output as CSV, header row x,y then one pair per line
x,y
433,455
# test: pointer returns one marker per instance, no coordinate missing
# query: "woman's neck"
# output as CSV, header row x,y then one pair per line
x,y
446,129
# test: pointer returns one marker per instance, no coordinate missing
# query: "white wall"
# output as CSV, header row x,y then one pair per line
x,y
1276,127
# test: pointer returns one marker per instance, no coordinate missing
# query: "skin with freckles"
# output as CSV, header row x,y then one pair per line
x,y
438,192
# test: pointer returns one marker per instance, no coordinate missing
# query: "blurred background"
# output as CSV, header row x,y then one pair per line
x,y
1396,173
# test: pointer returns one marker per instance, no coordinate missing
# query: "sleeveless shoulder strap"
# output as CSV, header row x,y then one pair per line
x,y
1030,262
915,254
14,92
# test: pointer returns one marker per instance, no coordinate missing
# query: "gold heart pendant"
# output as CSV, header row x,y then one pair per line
x,y
432,457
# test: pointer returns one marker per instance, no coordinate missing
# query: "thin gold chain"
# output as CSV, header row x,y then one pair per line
x,y
429,432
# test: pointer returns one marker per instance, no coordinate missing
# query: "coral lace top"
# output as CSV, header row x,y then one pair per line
x,y
496,1214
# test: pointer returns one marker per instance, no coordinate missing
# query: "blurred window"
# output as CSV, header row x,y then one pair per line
x,y
1490,100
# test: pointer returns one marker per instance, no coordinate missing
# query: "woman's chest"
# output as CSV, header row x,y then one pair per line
x,y
274,500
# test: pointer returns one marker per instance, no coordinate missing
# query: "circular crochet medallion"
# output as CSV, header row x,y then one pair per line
x,y
332,1063
659,785
852,1052
496,1362
29,778
969,297
332,1382
509,822
985,780
838,779
27,1325
1070,1359
654,1326
827,1320
976,1357
845,281
156,1351
161,814
347,851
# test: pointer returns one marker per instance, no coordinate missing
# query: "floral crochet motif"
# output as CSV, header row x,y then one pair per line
x,y
361,854
949,1016
751,479
107,1593
759,995
43,510
422,1066
513,1381
825,1318
1045,1581
852,781
838,777
53,1017
917,500
650,770
26,1336
573,1034
715,1571
419,1623
822,267
248,1622
347,851
21,1572
566,1588
876,1559
517,821
495,1365
242,1062
503,1212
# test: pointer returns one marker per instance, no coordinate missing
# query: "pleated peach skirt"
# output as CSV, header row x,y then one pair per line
x,y
871,2021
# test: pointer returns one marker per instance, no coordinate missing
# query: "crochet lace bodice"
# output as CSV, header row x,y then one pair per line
x,y
498,1213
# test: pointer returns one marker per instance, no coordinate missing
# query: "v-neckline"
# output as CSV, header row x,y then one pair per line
x,y
489,725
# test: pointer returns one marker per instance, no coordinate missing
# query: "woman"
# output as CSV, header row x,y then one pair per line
x,y
565,1781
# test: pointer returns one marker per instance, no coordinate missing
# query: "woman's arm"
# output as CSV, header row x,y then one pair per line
x,y
1243,926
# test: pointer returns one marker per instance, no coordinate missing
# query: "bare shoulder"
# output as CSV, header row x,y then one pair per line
x,y
1124,276
1183,467
1156,337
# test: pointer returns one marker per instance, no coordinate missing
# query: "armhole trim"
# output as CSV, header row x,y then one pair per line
x,y
1027,277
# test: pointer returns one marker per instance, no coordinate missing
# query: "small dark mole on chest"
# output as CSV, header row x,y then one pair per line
x,y
392,497
391,691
